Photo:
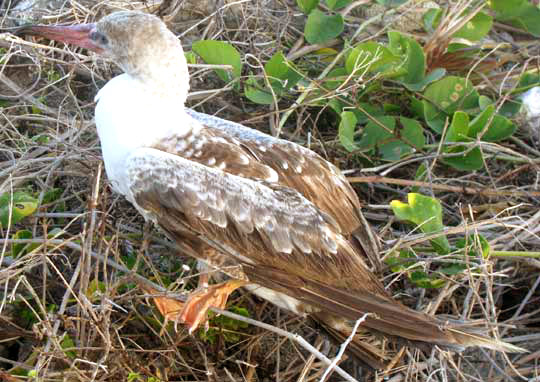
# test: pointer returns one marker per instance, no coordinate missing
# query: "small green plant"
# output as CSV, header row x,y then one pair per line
x,y
16,206
226,327
519,13
426,214
138,377
220,53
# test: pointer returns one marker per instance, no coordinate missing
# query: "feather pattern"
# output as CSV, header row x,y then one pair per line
x,y
267,223
238,150
297,167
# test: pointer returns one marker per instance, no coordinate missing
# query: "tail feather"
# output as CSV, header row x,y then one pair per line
x,y
467,339
394,319
377,353
365,239
387,316
370,354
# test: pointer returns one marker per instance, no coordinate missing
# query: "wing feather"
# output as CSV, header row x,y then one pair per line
x,y
210,195
291,165
297,167
266,223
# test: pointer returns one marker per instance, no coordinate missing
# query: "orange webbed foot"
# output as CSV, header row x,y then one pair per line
x,y
194,312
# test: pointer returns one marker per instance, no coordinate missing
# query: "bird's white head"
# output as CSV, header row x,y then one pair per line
x,y
140,43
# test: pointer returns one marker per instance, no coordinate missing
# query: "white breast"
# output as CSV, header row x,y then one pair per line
x,y
129,116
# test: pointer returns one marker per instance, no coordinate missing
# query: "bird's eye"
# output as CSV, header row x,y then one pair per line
x,y
99,38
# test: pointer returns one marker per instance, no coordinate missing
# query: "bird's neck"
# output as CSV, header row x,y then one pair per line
x,y
162,73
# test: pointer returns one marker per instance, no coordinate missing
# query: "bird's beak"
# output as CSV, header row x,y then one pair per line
x,y
78,35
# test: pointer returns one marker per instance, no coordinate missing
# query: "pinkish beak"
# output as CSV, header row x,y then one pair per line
x,y
78,35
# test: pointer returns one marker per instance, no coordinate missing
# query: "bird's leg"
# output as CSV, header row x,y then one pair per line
x,y
195,311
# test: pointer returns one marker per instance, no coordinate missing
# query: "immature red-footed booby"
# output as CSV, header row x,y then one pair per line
x,y
289,220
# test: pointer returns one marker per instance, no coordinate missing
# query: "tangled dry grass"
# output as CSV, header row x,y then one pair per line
x,y
67,314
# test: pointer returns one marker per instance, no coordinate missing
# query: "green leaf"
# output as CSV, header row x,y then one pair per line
x,y
321,27
335,78
476,29
281,75
445,97
423,280
19,249
346,130
510,107
337,4
458,131
21,205
228,327
52,195
484,245
459,128
484,102
519,13
499,127
416,107
431,19
469,161
391,3
191,58
415,61
220,53
412,133
67,343
371,57
527,81
377,133
421,176
307,5
433,76
364,111
426,213
453,269
256,92
392,144
35,109
95,290
281,72
480,121
474,246
507,9
277,66
400,262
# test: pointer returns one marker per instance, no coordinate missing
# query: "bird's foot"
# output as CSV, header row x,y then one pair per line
x,y
195,310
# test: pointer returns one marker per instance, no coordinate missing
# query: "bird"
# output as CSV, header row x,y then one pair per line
x,y
274,216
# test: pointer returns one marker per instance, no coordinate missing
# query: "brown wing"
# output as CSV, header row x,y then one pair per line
x,y
245,152
265,223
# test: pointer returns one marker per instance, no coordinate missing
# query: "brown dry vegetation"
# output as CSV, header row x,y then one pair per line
x,y
68,315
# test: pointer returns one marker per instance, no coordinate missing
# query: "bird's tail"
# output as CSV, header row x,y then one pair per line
x,y
339,309
364,347
469,338
378,351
